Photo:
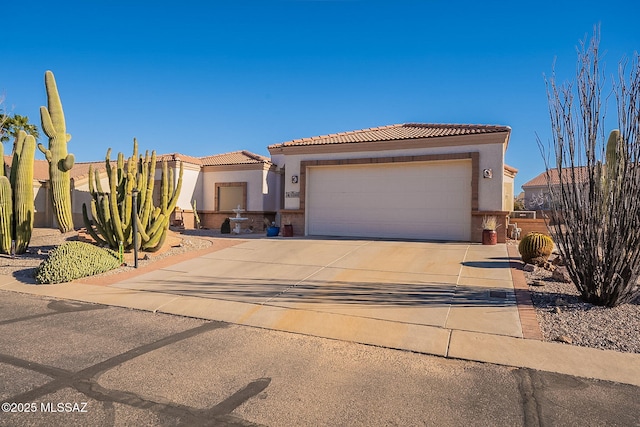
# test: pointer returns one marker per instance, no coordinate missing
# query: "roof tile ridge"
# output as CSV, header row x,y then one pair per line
x,y
344,133
211,156
257,156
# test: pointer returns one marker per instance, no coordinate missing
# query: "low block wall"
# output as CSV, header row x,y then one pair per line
x,y
213,220
529,225
295,217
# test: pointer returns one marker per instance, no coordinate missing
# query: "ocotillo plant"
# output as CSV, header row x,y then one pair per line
x,y
111,211
60,161
16,196
595,208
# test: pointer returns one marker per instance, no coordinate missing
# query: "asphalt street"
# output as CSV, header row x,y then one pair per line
x,y
65,363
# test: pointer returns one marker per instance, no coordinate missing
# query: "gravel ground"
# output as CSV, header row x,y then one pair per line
x,y
45,239
561,315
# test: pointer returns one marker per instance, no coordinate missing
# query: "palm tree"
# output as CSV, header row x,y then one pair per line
x,y
11,126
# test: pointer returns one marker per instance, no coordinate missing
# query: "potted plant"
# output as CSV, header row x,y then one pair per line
x,y
489,227
272,229
287,227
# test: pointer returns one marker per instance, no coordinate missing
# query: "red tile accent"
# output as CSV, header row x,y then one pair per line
x,y
396,132
528,319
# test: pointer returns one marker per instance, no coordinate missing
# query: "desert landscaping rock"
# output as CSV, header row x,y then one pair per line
x,y
561,313
560,274
45,239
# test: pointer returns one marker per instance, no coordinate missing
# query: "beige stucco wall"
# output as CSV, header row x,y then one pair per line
x,y
259,186
80,194
191,186
508,193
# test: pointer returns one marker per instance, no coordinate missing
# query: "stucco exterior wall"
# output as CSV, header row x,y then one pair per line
x,y
537,198
80,194
259,183
491,156
42,212
508,195
190,186
271,191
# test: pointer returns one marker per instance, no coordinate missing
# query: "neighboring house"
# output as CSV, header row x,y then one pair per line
x,y
415,181
536,191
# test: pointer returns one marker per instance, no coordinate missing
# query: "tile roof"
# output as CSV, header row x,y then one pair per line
x,y
396,132
81,169
235,158
40,168
541,180
179,156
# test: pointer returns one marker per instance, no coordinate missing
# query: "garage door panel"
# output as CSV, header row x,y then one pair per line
x,y
423,200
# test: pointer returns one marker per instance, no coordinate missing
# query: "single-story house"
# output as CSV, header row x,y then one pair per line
x,y
536,190
409,181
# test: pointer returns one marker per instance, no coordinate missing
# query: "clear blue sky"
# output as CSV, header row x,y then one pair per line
x,y
207,77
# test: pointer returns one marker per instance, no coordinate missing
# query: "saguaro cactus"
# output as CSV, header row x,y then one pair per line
x,y
16,196
22,183
6,215
60,161
111,221
614,160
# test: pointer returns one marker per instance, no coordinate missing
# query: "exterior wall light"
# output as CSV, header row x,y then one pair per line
x,y
487,173
294,179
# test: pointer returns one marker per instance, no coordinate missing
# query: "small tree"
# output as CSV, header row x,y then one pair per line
x,y
595,211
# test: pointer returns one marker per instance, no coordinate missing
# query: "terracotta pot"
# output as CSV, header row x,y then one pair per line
x,y
489,237
287,230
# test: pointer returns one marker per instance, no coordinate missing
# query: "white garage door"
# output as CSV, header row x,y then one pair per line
x,y
415,200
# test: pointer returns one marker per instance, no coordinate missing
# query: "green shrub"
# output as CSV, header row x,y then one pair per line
x,y
73,260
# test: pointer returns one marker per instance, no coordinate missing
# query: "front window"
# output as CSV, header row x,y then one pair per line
x,y
231,194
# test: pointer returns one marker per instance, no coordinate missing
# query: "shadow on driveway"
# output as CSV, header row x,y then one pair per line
x,y
259,291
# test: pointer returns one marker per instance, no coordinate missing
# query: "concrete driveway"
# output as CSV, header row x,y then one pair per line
x,y
449,286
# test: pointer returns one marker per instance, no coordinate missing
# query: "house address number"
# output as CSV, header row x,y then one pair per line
x,y
290,194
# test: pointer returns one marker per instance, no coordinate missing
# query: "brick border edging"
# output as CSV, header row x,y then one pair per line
x,y
526,310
